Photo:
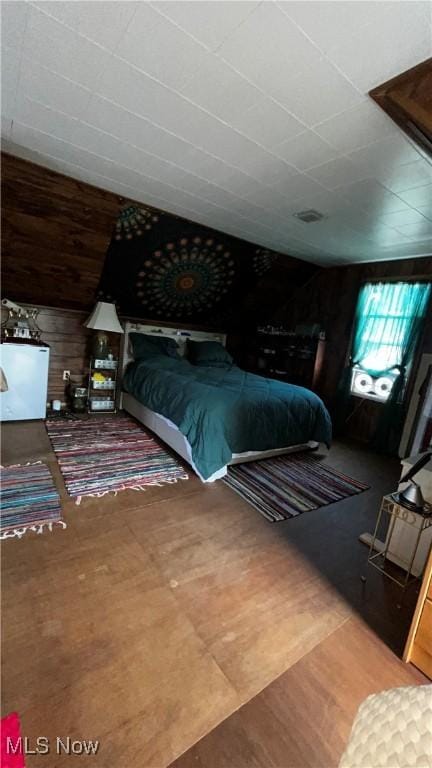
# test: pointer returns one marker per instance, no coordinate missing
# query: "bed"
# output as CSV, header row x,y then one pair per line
x,y
214,417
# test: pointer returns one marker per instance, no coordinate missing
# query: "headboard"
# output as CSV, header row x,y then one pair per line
x,y
179,334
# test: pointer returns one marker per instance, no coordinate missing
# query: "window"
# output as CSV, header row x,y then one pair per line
x,y
384,334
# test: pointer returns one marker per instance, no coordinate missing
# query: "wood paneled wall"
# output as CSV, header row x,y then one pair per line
x,y
64,331
330,299
55,234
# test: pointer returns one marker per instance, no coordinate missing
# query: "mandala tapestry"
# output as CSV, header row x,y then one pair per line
x,y
162,267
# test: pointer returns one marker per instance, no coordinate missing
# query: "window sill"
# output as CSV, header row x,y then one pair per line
x,y
366,396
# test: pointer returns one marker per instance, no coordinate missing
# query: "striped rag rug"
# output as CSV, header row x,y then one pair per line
x,y
107,454
28,500
284,487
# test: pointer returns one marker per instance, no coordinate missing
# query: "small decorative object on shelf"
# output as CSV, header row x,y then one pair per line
x,y
21,323
102,386
380,552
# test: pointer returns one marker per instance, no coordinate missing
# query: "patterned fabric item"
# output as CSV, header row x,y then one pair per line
x,y
392,730
100,455
11,752
28,500
164,267
286,486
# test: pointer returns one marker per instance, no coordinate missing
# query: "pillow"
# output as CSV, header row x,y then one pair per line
x,y
144,345
208,353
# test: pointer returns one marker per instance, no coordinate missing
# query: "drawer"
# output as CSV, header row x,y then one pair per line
x,y
429,591
424,630
421,654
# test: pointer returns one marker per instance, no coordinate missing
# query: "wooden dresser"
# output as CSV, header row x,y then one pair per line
x,y
418,649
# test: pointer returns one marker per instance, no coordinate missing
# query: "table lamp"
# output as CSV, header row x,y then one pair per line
x,y
103,320
412,497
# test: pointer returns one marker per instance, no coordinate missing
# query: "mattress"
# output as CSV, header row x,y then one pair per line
x,y
225,410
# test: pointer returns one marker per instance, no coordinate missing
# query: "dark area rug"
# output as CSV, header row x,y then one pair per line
x,y
109,454
287,486
28,500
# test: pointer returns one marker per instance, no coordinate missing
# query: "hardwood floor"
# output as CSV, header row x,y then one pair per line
x,y
155,615
304,718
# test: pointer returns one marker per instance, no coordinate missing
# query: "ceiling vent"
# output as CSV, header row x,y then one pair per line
x,y
309,216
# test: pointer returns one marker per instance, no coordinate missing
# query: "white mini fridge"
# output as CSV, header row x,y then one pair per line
x,y
25,368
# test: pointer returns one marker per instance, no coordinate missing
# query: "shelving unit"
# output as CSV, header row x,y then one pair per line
x,y
287,356
102,395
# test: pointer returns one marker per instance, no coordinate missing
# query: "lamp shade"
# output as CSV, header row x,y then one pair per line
x,y
104,318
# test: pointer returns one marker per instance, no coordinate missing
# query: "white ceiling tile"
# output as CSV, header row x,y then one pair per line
x,y
328,203
63,51
426,211
401,218
8,101
142,95
217,195
209,22
316,92
267,123
41,118
297,187
71,105
387,236
98,142
249,210
378,52
220,140
386,153
236,182
370,195
418,231
129,88
10,68
13,22
264,196
52,90
159,48
356,127
149,165
336,173
102,22
220,90
409,176
419,196
135,130
305,151
267,168
6,127
267,28
328,22
50,145
208,167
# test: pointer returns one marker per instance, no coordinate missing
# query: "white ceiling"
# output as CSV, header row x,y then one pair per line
x,y
233,114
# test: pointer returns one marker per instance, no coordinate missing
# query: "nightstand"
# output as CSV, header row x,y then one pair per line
x,y
416,524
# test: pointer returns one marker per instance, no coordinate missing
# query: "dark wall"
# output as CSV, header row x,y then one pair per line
x,y
330,299
56,232
162,266
55,235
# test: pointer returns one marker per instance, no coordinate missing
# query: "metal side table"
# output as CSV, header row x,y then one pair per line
x,y
380,553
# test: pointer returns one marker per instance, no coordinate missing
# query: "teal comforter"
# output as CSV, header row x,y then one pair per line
x,y
222,411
